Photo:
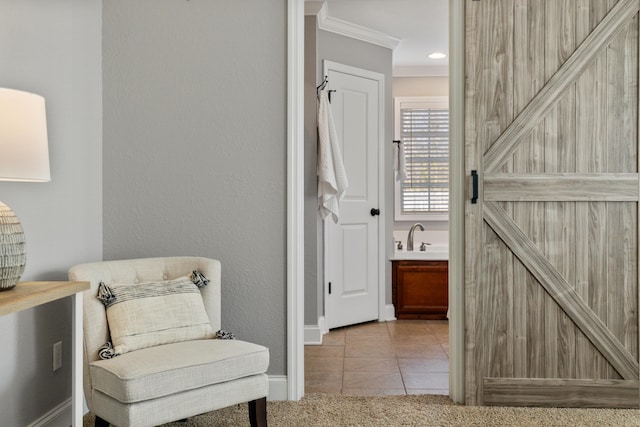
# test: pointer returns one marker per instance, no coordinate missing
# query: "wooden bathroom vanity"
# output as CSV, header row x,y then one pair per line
x,y
420,288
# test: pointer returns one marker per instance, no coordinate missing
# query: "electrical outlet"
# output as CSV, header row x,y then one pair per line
x,y
57,355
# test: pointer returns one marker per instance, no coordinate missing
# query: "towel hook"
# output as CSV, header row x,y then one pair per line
x,y
323,85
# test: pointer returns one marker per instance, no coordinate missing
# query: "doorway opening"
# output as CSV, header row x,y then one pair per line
x,y
456,389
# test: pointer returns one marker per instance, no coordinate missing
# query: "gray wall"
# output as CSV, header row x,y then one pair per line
x,y
313,290
53,49
421,86
345,50
195,147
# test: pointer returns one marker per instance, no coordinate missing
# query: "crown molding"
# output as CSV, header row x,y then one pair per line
x,y
315,8
358,32
348,29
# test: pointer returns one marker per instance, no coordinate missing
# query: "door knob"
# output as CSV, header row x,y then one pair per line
x,y
375,211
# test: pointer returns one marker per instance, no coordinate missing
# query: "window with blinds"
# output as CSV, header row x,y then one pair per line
x,y
423,127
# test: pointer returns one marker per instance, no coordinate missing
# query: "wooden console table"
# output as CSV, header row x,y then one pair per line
x,y
32,294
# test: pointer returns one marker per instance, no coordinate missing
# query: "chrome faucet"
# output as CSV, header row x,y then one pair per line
x,y
410,237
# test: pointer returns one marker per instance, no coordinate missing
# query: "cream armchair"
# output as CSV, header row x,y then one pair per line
x,y
168,382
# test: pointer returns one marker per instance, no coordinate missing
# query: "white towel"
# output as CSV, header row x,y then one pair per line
x,y
400,163
332,177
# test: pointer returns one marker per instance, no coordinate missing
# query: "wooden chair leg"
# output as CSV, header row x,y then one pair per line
x,y
100,422
258,412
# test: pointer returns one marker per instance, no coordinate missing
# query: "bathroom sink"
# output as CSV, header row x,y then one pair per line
x,y
432,252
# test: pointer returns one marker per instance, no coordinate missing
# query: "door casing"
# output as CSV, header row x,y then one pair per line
x,y
295,200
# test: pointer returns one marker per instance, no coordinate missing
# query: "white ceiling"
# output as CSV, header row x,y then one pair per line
x,y
421,25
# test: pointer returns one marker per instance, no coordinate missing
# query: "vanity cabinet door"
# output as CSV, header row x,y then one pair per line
x,y
420,289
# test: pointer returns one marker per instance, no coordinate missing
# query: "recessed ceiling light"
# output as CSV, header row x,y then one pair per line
x,y
437,55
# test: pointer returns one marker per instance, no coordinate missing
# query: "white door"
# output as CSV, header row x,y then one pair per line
x,y
352,247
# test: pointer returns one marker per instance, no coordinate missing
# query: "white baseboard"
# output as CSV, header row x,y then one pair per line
x,y
277,387
313,333
60,416
389,313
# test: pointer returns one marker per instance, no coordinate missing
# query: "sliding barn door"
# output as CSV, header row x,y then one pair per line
x,y
551,127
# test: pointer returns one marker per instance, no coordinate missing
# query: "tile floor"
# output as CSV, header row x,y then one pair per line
x,y
398,357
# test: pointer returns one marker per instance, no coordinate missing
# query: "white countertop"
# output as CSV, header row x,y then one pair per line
x,y
431,253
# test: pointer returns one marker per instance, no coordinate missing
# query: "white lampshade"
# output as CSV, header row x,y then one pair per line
x,y
24,156
24,152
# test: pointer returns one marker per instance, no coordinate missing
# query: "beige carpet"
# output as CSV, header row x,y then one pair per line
x,y
423,410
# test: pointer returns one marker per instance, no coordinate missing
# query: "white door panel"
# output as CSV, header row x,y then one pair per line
x,y
352,121
352,246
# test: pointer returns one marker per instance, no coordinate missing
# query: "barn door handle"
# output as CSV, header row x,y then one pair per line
x,y
375,211
474,177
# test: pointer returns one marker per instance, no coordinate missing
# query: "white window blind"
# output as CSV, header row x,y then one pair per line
x,y
424,131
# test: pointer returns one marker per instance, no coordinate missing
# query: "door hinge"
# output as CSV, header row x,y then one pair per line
x,y
329,288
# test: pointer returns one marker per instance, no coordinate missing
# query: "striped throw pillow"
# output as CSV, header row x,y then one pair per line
x,y
154,313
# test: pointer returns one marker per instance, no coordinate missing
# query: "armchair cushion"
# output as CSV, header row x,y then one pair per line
x,y
153,313
168,369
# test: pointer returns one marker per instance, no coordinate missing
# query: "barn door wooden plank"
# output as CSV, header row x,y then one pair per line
x,y
565,392
493,23
591,157
559,156
621,104
528,46
473,217
608,28
561,291
573,187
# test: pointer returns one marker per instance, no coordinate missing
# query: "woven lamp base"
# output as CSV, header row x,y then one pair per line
x,y
13,256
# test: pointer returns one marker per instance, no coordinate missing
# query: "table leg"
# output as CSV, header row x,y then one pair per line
x,y
76,360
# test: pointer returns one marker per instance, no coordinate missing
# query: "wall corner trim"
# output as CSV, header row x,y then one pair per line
x,y
313,333
278,387
389,313
457,374
294,384
318,8
60,415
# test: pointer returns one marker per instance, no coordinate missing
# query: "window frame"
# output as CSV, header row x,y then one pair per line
x,y
400,102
